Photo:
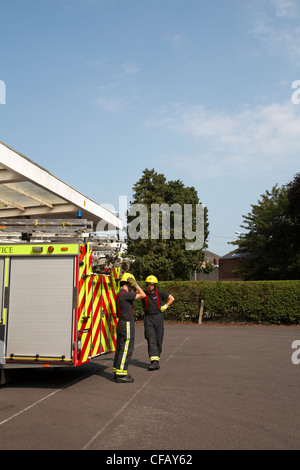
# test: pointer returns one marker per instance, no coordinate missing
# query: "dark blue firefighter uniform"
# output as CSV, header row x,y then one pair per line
x,y
125,332
154,322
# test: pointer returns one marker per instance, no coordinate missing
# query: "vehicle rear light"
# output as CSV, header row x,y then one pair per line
x,y
79,336
50,249
64,248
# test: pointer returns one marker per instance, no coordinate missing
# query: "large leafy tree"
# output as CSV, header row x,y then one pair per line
x,y
292,228
272,242
167,259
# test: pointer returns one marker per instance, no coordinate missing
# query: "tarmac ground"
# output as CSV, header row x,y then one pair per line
x,y
220,387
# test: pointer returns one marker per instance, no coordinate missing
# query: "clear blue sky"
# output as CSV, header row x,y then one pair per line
x,y
99,90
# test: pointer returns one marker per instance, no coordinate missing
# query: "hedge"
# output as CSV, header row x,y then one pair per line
x,y
276,302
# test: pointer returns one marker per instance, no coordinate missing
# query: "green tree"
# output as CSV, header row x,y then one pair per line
x,y
293,227
271,244
167,259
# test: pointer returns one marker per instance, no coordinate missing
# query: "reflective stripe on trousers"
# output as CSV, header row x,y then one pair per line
x,y
125,346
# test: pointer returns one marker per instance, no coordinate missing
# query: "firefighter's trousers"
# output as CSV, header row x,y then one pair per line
x,y
124,346
154,334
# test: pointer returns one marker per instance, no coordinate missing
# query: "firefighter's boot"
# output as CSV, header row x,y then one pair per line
x,y
124,379
154,365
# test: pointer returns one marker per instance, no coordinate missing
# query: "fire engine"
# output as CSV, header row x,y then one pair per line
x,y
58,276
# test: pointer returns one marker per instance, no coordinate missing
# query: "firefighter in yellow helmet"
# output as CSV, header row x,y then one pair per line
x,y
129,291
155,303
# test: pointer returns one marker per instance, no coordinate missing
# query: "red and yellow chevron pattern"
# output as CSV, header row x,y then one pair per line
x,y
97,319
109,325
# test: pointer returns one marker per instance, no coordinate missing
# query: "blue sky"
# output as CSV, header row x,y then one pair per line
x,y
99,90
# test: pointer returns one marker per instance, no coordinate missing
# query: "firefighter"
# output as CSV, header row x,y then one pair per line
x,y
126,326
155,303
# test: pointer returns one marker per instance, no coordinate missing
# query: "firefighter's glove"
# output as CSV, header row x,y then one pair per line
x,y
132,282
163,308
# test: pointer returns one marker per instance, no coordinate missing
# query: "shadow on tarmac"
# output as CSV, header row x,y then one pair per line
x,y
58,377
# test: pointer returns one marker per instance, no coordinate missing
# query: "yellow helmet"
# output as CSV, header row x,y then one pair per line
x,y
125,276
152,279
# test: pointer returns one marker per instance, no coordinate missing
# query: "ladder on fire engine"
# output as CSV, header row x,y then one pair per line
x,y
106,248
43,229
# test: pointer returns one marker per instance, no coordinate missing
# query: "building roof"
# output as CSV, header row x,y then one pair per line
x,y
233,255
28,190
210,255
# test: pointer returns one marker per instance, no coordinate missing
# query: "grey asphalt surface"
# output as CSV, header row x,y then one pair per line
x,y
219,387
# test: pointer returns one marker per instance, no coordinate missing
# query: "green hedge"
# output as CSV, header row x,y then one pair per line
x,y
276,302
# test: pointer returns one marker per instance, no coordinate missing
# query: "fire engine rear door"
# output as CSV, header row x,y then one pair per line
x,y
40,308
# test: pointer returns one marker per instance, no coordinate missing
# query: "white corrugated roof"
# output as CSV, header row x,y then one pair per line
x,y
26,189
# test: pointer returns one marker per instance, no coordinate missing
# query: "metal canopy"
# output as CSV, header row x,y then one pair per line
x,y
28,190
